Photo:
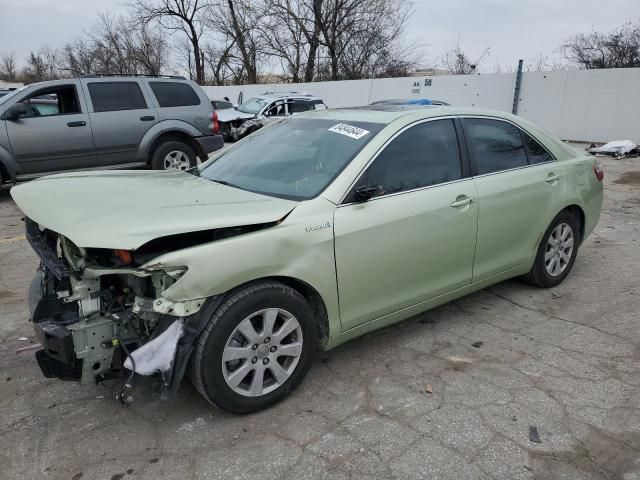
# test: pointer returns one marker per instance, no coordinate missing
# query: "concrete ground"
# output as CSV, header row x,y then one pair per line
x,y
450,394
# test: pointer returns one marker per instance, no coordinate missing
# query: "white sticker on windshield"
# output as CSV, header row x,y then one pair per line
x,y
349,130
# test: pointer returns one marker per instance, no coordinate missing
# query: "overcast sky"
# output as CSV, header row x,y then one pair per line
x,y
512,29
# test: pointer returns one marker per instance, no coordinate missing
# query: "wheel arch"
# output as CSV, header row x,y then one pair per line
x,y
316,302
173,135
577,212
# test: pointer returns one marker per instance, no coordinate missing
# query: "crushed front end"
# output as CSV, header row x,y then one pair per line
x,y
99,314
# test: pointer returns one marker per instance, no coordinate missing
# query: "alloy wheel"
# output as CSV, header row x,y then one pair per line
x,y
177,160
262,352
559,249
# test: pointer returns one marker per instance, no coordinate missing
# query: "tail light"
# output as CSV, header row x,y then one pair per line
x,y
216,124
599,171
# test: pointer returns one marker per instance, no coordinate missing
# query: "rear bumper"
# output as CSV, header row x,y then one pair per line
x,y
210,143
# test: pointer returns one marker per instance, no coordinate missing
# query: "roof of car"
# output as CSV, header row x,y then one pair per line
x,y
388,113
276,95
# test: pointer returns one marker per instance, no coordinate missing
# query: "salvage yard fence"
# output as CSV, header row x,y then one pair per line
x,y
579,105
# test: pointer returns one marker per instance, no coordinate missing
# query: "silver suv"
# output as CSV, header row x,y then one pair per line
x,y
105,122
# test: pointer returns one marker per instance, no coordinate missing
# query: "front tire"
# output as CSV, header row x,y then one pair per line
x,y
256,348
173,155
556,253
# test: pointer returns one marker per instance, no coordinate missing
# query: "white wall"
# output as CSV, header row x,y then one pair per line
x,y
585,105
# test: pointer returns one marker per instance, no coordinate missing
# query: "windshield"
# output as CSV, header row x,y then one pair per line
x,y
253,105
296,158
10,95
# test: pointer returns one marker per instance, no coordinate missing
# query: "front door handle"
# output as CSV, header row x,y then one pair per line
x,y
462,200
81,123
552,178
148,118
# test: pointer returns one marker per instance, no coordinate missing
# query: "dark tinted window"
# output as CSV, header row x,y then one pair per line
x,y
297,106
112,96
535,151
494,145
174,94
426,154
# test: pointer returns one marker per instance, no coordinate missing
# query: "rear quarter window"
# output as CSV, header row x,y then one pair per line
x,y
174,94
113,96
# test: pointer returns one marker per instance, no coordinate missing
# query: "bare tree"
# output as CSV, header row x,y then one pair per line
x,y
185,16
240,21
41,65
457,62
117,45
617,49
293,35
8,67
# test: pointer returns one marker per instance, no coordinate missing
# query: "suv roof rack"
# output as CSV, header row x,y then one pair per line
x,y
304,94
99,75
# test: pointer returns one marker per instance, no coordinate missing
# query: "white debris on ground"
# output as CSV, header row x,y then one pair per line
x,y
616,148
158,354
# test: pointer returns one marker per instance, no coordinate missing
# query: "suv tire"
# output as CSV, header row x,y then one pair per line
x,y
173,155
239,363
556,253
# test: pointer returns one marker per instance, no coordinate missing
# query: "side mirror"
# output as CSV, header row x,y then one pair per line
x,y
14,112
364,194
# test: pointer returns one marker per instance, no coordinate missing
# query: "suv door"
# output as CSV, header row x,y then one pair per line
x,y
120,116
520,186
415,239
276,110
54,138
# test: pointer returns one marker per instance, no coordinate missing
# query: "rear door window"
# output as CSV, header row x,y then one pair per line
x,y
425,154
494,145
114,96
174,94
298,105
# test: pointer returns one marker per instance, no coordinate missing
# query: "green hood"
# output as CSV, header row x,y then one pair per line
x,y
126,209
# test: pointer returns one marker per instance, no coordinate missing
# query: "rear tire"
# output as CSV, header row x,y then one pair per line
x,y
173,155
256,348
556,253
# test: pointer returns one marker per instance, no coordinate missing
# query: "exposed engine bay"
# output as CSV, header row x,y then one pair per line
x,y
240,128
99,315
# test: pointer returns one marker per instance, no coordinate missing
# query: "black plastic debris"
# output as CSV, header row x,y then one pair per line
x,y
477,344
533,435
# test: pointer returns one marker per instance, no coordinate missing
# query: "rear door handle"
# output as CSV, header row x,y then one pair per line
x,y
148,118
81,123
552,178
462,200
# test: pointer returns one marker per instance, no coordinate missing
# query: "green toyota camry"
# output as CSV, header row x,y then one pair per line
x,y
306,234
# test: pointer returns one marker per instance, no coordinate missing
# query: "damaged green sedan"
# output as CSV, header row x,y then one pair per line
x,y
304,235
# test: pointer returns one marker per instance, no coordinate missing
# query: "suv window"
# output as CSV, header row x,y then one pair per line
x,y
277,109
174,94
535,152
299,105
113,96
51,101
423,155
494,145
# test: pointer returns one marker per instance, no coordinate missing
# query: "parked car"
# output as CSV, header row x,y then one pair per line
x,y
237,123
236,267
105,122
410,101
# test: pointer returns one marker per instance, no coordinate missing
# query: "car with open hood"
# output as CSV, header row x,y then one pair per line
x,y
310,232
